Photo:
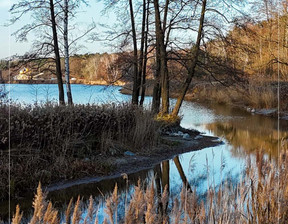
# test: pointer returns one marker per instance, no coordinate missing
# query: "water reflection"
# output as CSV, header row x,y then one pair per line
x,y
249,133
82,94
242,133
194,170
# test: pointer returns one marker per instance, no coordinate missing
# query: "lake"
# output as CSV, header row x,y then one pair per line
x,y
242,134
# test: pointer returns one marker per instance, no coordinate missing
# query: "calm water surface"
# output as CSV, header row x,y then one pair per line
x,y
242,133
82,94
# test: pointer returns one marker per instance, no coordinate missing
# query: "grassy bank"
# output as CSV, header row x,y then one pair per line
x,y
260,197
256,95
49,143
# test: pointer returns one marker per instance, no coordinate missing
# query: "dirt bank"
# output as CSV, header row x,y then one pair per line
x,y
170,147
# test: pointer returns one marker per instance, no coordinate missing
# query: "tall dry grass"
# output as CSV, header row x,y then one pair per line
x,y
50,126
50,143
262,95
256,94
260,197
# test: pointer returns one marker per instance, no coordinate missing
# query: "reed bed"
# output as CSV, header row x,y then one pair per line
x,y
51,143
255,94
261,196
51,126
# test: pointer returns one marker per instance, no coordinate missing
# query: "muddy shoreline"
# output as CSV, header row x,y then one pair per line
x,y
142,161
169,147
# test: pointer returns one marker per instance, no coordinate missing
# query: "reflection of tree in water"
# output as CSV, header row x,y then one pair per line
x,y
194,184
251,134
162,179
159,176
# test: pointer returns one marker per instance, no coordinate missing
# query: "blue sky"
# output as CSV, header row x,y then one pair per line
x,y
9,46
4,31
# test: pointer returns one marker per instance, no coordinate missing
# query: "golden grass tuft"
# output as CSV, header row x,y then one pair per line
x,y
17,216
43,210
39,205
256,94
168,118
89,216
68,211
76,217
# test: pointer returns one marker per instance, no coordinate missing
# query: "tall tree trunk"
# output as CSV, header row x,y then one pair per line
x,y
157,86
163,57
136,80
144,47
66,52
164,82
191,72
165,75
57,55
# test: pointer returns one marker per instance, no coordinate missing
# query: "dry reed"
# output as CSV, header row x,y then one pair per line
x,y
17,216
76,217
261,196
255,94
49,138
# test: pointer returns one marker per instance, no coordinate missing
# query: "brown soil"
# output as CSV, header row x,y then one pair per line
x,y
169,148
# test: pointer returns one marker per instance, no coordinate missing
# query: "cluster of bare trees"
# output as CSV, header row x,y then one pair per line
x,y
50,25
157,30
169,31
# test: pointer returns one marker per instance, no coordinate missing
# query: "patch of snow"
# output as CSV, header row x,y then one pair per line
x,y
266,111
198,137
186,136
180,133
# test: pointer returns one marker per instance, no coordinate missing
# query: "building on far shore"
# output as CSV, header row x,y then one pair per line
x,y
22,77
24,74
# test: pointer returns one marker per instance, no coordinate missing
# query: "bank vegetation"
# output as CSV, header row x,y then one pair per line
x,y
49,143
259,197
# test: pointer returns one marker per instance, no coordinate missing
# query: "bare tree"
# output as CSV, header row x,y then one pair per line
x,y
192,66
47,26
46,8
66,53
136,77
161,53
144,48
57,54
